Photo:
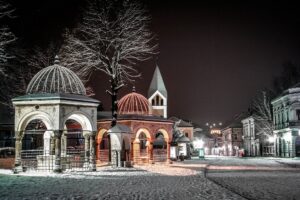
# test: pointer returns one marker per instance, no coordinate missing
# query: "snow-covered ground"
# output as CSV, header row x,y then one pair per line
x,y
111,183
255,178
212,178
260,185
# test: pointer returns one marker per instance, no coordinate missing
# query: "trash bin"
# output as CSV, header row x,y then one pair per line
x,y
201,153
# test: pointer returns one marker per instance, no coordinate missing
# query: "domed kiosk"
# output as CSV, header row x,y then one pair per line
x,y
55,122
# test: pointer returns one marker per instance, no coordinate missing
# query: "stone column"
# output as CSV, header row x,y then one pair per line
x,y
86,150
57,136
97,153
92,151
114,158
52,146
168,152
119,159
150,152
136,151
18,146
293,147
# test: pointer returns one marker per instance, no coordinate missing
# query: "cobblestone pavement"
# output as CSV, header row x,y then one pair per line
x,y
144,186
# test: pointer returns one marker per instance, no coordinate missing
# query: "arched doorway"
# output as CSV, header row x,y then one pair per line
x,y
142,148
160,148
78,141
143,145
73,146
36,146
103,155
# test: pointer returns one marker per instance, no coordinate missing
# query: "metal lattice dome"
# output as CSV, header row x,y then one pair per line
x,y
133,103
56,79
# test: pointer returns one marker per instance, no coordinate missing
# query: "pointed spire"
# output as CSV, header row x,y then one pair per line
x,y
157,84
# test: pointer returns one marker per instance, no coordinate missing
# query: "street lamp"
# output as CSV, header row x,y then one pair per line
x,y
271,139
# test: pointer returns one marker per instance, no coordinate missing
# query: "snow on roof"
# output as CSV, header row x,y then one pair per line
x,y
56,79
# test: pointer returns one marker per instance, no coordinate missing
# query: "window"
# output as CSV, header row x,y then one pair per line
x,y
298,114
157,100
161,102
186,135
153,102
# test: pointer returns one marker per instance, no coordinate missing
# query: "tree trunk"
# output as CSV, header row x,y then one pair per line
x,y
114,101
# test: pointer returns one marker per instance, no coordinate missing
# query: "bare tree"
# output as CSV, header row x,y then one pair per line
x,y
39,58
112,37
289,77
262,114
6,36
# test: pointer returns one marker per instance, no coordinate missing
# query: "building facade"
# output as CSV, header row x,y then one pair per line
x,y
286,118
250,141
256,144
150,133
232,139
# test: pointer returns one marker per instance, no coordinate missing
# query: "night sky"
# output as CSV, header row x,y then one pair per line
x,y
214,57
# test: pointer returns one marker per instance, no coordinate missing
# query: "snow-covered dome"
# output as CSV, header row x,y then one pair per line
x,y
133,103
56,79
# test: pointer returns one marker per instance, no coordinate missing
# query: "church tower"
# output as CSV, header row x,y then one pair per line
x,y
157,95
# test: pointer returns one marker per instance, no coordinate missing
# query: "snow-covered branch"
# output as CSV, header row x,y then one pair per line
x,y
112,37
6,36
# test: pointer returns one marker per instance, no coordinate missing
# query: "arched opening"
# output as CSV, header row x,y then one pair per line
x,y
76,143
34,135
143,145
36,145
142,148
159,148
103,147
72,145
161,102
157,100
74,135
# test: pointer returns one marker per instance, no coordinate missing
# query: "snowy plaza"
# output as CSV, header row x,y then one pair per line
x,y
212,178
154,100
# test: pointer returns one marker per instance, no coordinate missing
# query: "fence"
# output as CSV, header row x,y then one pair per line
x,y
159,155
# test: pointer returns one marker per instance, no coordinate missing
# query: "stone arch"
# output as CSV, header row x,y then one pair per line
x,y
165,134
100,134
145,131
161,150
84,120
142,148
26,119
102,155
43,138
